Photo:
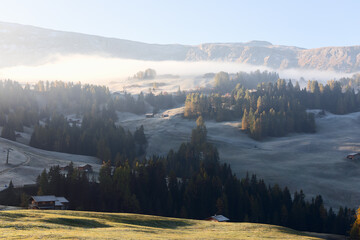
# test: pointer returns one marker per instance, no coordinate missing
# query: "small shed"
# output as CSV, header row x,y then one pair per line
x,y
48,202
149,115
218,218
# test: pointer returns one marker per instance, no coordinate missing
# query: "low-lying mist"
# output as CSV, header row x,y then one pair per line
x,y
107,71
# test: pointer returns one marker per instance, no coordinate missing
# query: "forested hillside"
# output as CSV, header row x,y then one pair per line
x,y
45,108
272,109
190,183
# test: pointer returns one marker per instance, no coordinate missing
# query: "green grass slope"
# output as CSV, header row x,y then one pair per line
x,y
32,224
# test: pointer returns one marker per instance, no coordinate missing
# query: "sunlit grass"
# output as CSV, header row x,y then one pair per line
x,y
32,224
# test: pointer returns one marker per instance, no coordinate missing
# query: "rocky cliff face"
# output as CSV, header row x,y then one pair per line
x,y
27,45
255,53
343,59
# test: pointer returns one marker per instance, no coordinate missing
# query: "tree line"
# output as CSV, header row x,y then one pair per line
x,y
97,136
273,109
191,183
225,82
332,97
355,229
351,82
28,106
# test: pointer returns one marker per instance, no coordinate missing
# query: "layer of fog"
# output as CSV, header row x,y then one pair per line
x,y
114,72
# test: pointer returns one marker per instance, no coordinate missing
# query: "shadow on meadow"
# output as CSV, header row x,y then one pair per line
x,y
141,220
134,220
155,223
11,216
76,222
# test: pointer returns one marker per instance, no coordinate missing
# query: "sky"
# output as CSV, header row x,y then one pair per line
x,y
307,24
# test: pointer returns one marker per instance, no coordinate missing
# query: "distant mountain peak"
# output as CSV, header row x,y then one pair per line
x,y
28,45
257,43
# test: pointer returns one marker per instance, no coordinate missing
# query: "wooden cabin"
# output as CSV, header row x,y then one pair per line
x,y
218,218
48,202
86,168
64,170
61,203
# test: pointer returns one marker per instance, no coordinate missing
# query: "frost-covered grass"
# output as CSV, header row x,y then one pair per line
x,y
315,163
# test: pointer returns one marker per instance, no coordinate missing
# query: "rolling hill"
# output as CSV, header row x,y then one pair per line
x,y
28,45
32,224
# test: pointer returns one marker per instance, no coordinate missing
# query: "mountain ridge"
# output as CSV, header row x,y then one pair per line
x,y
29,45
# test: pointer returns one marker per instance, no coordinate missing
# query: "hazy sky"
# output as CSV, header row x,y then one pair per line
x,y
302,23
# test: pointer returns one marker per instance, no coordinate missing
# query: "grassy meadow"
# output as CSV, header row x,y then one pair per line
x,y
34,224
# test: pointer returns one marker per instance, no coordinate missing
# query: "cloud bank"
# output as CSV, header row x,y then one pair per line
x,y
103,70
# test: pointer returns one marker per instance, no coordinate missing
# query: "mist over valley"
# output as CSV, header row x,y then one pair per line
x,y
251,131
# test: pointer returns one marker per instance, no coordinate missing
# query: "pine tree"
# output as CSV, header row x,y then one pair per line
x,y
11,185
355,229
8,132
199,134
259,105
245,121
